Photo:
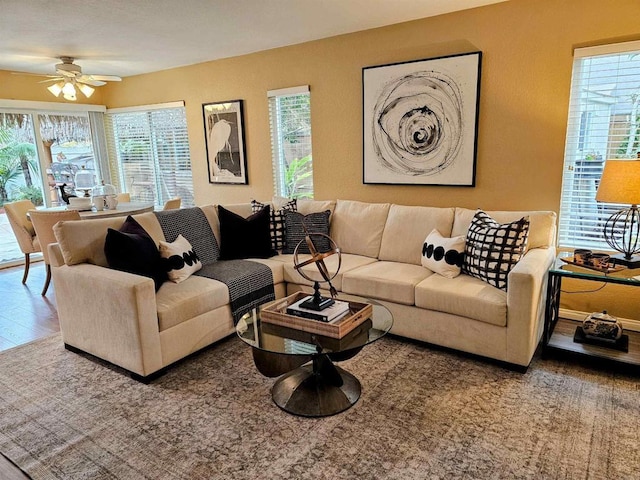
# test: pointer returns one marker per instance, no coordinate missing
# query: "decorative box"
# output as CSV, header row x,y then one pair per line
x,y
602,326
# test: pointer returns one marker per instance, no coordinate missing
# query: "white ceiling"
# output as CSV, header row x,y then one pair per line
x,y
130,37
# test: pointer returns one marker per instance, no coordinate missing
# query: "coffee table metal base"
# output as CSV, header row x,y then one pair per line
x,y
318,389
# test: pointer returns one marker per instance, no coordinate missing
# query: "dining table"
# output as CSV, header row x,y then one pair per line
x,y
122,209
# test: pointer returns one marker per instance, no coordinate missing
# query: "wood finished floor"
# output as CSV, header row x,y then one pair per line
x,y
25,316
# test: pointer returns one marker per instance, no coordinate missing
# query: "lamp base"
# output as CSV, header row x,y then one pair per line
x,y
619,259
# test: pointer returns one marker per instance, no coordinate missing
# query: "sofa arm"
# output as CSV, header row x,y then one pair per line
x,y
109,314
526,296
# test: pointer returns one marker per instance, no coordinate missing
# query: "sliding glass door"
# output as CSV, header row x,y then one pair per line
x,y
40,153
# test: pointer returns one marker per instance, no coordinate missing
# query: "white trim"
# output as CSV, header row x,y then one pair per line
x,y
51,106
146,108
607,49
288,91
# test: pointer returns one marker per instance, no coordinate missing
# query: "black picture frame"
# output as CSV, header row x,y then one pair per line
x,y
225,142
420,121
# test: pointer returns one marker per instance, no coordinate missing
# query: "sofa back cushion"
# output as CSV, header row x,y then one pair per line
x,y
306,206
83,241
357,226
406,229
542,227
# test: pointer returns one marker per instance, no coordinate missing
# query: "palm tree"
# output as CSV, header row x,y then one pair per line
x,y
9,170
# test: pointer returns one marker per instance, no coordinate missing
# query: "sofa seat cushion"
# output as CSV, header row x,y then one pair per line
x,y
465,296
349,262
179,302
277,267
393,281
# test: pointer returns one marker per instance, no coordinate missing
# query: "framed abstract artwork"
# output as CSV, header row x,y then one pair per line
x,y
420,121
224,138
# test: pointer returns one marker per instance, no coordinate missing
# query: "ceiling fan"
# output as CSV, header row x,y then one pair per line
x,y
69,76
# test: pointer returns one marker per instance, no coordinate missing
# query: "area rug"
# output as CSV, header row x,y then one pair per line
x,y
423,414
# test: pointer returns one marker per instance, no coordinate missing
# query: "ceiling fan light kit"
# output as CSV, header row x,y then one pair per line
x,y
69,79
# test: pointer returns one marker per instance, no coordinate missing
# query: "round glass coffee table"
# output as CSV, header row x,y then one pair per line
x,y
310,383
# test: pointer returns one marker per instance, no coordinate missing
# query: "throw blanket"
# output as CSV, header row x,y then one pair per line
x,y
250,283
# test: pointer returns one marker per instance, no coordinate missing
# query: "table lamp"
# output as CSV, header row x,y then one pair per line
x,y
620,183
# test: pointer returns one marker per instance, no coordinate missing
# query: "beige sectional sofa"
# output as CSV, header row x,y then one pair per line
x,y
118,316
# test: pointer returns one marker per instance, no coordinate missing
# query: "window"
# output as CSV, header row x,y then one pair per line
x,y
290,116
603,123
149,153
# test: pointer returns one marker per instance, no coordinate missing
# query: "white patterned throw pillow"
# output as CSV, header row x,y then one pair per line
x,y
179,259
277,225
443,255
493,249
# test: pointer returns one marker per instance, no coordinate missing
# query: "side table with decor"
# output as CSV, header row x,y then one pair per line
x,y
599,336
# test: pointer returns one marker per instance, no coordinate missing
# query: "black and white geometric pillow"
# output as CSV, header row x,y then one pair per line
x,y
277,225
493,249
179,259
443,255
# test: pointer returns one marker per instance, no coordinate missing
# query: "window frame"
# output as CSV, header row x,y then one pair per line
x,y
151,156
594,134
279,158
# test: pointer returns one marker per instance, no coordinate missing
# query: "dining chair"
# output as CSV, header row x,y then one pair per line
x,y
172,204
124,197
43,223
23,230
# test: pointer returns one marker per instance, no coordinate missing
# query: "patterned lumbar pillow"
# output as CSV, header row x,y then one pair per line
x,y
179,259
443,255
276,226
295,225
493,249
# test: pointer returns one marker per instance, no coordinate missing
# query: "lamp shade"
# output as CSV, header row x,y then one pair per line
x,y
620,182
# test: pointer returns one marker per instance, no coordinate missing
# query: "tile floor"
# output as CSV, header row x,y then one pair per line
x,y
25,315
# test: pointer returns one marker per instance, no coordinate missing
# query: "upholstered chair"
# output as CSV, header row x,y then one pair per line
x,y
43,222
23,230
172,204
124,197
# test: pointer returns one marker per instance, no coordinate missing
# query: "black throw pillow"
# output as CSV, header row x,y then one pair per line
x,y
245,237
294,232
131,249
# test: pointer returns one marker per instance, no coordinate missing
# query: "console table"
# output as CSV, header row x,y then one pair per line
x,y
558,332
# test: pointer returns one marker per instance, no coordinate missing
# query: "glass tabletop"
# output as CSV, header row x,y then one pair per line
x,y
290,341
624,276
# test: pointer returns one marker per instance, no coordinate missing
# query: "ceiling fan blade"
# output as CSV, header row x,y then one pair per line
x,y
89,81
106,78
52,79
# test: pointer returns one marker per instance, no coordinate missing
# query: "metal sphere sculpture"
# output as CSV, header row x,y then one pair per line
x,y
318,302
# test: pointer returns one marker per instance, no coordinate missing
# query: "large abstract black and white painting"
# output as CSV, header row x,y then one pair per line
x,y
224,138
420,121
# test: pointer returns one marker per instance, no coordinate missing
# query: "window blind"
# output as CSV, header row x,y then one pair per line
x,y
149,153
602,124
290,119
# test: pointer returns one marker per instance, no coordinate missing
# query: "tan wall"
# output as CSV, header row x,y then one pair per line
x,y
527,58
527,50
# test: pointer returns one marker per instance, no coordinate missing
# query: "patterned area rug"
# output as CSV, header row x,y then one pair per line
x,y
423,414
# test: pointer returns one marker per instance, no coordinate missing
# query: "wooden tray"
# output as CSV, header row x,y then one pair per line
x,y
275,313
355,338
611,268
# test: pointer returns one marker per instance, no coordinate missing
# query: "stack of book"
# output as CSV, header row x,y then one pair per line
x,y
330,314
